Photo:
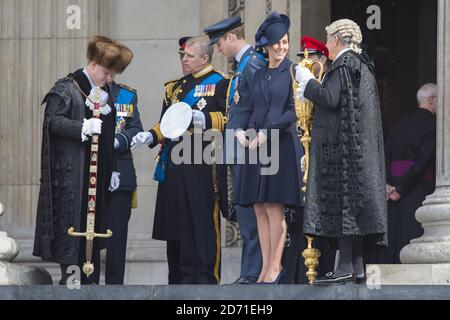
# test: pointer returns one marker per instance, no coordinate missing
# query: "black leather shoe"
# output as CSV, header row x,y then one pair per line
x,y
245,280
331,278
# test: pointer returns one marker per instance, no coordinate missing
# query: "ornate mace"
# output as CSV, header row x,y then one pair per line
x,y
305,113
88,267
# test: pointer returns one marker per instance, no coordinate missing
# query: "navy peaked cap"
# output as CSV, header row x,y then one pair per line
x,y
217,30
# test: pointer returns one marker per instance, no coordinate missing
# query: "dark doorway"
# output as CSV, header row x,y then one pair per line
x,y
404,49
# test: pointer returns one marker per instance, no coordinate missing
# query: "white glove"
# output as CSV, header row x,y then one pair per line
x,y
302,76
198,118
115,181
301,93
260,139
90,127
303,164
104,107
141,138
241,137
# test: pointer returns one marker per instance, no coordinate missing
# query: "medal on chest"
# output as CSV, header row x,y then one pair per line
x,y
201,104
123,111
236,97
205,90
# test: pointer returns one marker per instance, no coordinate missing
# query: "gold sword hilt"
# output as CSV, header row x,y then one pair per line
x,y
88,266
89,235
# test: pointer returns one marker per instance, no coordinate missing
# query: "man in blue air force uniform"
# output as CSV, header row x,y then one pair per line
x,y
229,37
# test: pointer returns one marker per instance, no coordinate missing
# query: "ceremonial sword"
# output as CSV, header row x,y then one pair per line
x,y
88,266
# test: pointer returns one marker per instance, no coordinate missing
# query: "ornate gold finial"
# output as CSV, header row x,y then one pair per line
x,y
88,268
311,256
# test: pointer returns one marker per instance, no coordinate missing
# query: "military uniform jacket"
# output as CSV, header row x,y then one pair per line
x,y
126,129
192,182
346,180
240,110
62,201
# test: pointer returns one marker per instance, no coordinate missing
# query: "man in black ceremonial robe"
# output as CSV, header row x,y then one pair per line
x,y
65,161
345,197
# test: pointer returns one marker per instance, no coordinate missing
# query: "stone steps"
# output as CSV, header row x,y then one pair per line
x,y
226,292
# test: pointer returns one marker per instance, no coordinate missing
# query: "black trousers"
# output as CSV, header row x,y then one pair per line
x,y
292,260
199,239
116,246
173,261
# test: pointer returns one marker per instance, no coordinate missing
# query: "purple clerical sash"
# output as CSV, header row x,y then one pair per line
x,y
400,167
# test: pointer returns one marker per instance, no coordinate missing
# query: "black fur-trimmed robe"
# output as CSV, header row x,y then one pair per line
x,y
346,182
62,199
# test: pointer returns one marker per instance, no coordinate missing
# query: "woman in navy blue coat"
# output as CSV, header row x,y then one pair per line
x,y
274,121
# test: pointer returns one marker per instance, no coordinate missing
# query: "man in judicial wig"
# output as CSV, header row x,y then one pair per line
x,y
345,199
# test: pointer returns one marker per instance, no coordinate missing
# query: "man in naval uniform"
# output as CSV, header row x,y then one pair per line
x,y
190,195
172,246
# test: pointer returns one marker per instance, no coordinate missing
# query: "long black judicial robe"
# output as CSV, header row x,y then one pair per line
x,y
62,201
410,151
346,180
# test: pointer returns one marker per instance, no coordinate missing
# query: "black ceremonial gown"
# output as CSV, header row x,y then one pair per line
x,y
346,182
62,199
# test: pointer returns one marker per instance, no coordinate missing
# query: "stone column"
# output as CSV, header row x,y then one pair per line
x,y
434,246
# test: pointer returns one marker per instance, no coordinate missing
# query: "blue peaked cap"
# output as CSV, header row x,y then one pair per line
x,y
217,30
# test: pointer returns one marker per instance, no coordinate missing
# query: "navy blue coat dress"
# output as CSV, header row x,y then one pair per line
x,y
273,108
